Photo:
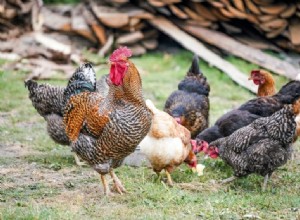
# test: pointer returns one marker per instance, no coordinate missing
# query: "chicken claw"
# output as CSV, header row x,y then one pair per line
x,y
170,182
228,180
118,184
78,161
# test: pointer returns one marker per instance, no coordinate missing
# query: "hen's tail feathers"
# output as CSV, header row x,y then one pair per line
x,y
289,93
195,69
30,84
151,106
195,81
74,115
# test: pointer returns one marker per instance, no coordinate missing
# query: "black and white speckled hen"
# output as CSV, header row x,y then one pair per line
x,y
104,130
189,105
248,112
261,147
49,101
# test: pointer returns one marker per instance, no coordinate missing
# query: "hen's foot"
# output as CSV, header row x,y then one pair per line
x,y
118,184
264,186
169,181
78,161
228,180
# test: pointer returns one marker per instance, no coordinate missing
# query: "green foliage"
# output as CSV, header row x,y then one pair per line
x,y
39,179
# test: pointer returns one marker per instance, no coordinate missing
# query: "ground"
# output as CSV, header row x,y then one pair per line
x,y
39,179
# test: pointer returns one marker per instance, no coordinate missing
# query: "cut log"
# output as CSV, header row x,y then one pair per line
x,y
52,44
198,48
107,46
55,21
253,55
79,24
291,9
109,16
239,5
130,38
273,9
137,49
252,7
178,12
192,14
150,44
294,30
97,28
257,43
204,12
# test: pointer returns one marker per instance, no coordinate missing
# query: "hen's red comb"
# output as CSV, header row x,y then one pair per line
x,y
120,53
255,71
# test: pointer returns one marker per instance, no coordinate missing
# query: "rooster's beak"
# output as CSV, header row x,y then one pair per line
x,y
250,78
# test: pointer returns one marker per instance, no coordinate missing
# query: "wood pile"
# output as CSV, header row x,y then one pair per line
x,y
18,17
238,27
269,20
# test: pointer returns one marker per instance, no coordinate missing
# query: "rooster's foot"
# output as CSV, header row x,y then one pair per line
x,y
118,184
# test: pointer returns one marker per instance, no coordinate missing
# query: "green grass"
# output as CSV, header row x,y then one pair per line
x,y
40,180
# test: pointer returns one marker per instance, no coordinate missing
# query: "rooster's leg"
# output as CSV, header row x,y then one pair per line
x,y
78,161
105,186
170,182
264,186
228,180
119,187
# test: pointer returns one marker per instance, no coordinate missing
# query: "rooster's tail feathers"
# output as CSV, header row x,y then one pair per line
x,y
195,68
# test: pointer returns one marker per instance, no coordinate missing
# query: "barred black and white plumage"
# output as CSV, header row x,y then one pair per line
x,y
262,146
50,101
105,129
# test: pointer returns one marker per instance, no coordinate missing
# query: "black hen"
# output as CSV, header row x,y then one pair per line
x,y
189,105
248,112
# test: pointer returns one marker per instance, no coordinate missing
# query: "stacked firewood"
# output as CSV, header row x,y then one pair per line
x,y
18,16
277,21
105,25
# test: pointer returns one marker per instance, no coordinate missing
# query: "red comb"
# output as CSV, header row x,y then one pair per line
x,y
255,71
120,53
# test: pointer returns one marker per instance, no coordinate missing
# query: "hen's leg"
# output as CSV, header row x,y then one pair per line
x,y
264,186
78,161
119,186
228,180
170,182
107,191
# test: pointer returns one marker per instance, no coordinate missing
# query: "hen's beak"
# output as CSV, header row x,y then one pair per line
x,y
250,78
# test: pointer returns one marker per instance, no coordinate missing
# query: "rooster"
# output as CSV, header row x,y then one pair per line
x,y
104,130
49,101
261,147
167,144
189,105
247,113
265,82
